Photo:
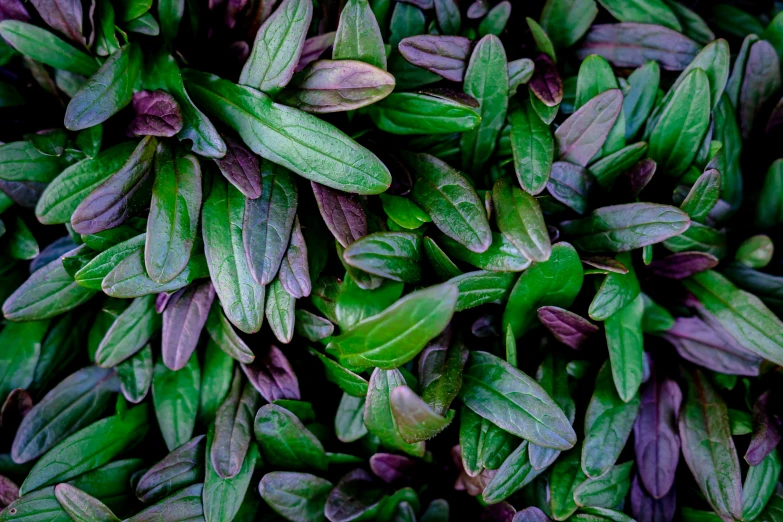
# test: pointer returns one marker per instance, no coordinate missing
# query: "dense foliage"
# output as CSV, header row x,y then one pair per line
x,y
394,260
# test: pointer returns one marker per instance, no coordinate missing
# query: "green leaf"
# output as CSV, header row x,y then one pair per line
x,y
129,333
565,477
440,262
404,212
21,161
619,228
295,496
173,221
183,506
354,304
481,287
294,139
451,201
514,474
20,358
608,424
284,440
393,255
88,449
216,379
349,419
566,21
280,312
135,375
81,506
108,91
268,221
92,274
513,401
708,447
48,292
742,314
358,35
675,140
175,395
223,334
521,221
606,491
616,291
222,497
555,282
759,486
77,401
396,335
626,347
43,46
423,113
643,11
486,80
501,256
64,194
241,297
277,47
639,100
378,415
351,383
703,196
533,147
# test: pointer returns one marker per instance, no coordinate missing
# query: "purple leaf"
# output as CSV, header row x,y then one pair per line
x,y
161,301
294,272
342,213
775,121
355,495
605,263
24,193
531,514
446,56
569,328
421,4
632,44
13,10
766,429
118,198
570,185
183,319
683,264
546,83
233,428
760,82
313,48
64,16
271,374
241,168
8,492
633,181
500,512
478,9
656,440
583,134
647,509
157,114
393,469
16,406
710,346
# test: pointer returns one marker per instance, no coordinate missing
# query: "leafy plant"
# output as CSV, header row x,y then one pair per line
x,y
393,260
